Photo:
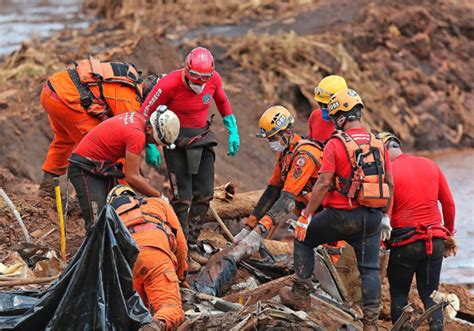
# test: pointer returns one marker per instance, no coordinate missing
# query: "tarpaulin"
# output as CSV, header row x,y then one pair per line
x,y
95,292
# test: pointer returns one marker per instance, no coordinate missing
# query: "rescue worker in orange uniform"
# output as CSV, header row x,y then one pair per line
x,y
354,186
78,99
291,183
161,263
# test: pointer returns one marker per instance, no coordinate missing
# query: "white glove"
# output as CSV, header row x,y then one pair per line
x,y
386,229
252,242
164,197
241,235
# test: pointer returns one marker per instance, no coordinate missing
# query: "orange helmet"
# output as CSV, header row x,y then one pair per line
x,y
275,119
344,101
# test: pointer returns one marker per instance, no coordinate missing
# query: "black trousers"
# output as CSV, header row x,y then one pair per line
x,y
406,261
360,227
192,193
91,191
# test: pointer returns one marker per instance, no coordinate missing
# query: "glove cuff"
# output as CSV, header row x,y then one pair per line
x,y
230,124
267,222
251,221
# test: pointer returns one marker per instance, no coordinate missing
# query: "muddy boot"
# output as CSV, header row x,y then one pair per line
x,y
46,188
196,256
371,318
297,296
193,266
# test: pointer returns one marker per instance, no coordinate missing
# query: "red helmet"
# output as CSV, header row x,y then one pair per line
x,y
199,65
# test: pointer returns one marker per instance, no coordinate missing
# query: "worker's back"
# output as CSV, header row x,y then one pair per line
x,y
416,191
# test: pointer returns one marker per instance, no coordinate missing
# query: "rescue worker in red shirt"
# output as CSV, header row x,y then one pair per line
x,y
320,125
92,166
321,129
189,92
420,234
161,262
289,187
354,186
78,99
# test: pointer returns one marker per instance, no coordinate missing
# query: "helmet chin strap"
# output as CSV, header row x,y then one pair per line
x,y
287,140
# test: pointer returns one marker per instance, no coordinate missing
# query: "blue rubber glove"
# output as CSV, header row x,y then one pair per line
x,y
230,124
153,156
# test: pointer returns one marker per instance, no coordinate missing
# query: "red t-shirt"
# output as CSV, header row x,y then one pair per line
x,y
319,128
109,140
190,107
418,186
335,160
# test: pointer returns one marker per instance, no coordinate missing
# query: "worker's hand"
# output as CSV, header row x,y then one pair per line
x,y
450,247
185,284
252,242
230,124
301,227
156,325
241,235
153,156
386,229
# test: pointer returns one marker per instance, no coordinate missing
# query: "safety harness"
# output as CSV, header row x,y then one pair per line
x,y
406,235
139,214
296,151
367,180
92,72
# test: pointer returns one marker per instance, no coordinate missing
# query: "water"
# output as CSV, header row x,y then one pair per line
x,y
459,170
24,19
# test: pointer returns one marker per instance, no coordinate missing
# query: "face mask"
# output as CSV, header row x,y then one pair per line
x,y
325,114
276,146
197,88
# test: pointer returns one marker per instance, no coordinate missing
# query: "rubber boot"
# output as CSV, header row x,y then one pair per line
x,y
46,188
297,296
371,318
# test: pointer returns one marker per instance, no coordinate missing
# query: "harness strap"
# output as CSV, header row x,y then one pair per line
x,y
85,94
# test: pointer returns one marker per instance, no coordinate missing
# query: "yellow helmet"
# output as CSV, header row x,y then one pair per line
x,y
327,87
119,190
275,119
387,137
344,101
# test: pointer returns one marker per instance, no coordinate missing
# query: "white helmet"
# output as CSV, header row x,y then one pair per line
x,y
165,126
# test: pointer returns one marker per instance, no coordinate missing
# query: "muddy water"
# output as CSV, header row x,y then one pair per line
x,y
23,19
459,170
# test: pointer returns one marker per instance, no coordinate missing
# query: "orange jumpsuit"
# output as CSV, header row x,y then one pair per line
x,y
70,122
161,263
299,177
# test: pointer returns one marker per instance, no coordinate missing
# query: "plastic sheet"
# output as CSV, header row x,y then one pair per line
x,y
95,292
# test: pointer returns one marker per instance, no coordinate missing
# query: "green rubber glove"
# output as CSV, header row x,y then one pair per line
x,y
153,156
230,124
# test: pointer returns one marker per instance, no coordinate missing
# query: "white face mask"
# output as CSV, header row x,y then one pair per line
x,y
197,88
276,146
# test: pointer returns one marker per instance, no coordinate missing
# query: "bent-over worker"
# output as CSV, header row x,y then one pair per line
x,y
78,99
92,166
161,262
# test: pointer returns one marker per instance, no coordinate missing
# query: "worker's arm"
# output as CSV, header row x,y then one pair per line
x,y
447,202
220,97
135,179
181,244
159,95
320,189
297,178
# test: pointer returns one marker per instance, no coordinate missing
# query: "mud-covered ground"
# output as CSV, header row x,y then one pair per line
x,y
411,61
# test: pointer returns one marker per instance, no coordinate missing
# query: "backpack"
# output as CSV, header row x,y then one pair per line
x,y
367,180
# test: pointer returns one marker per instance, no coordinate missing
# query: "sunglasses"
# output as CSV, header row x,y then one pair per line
x,y
200,76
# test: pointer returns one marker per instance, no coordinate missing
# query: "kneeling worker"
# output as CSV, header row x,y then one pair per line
x,y
161,262
92,169
295,174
